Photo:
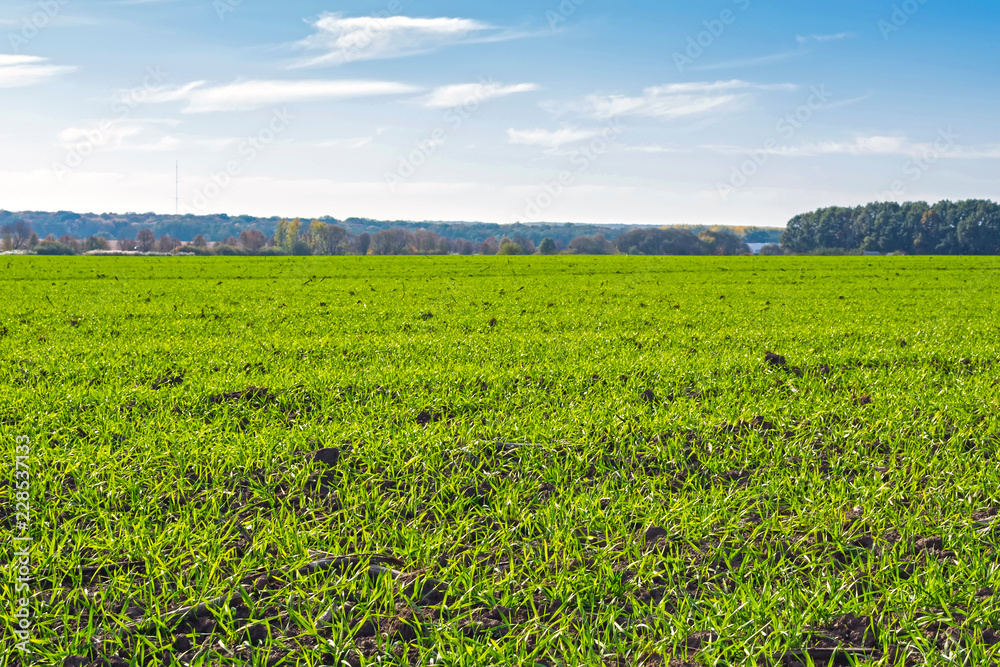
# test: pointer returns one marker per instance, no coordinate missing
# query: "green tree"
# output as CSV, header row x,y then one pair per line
x,y
547,247
281,235
292,230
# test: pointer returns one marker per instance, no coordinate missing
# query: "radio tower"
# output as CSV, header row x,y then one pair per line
x,y
177,187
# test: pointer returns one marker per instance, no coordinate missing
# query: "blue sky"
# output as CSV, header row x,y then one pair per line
x,y
719,112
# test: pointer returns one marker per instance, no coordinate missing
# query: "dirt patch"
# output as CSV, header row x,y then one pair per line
x,y
257,395
168,380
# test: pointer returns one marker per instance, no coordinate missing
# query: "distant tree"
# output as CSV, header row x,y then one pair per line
x,y
444,245
167,243
281,235
301,247
464,247
426,241
591,245
253,240
723,243
16,235
391,242
199,242
231,241
96,243
771,250
659,241
127,245
32,240
51,237
325,239
364,243
292,230
146,239
489,246
508,247
547,247
527,245
53,248
68,241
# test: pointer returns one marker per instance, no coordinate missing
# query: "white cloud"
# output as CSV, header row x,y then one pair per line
x,y
371,37
465,94
247,95
548,138
674,100
18,71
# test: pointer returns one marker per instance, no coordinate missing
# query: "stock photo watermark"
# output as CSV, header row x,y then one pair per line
x,y
563,12
915,167
225,7
34,23
248,150
581,158
901,15
704,40
104,133
21,563
787,127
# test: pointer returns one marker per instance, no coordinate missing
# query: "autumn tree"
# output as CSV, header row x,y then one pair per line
x,y
292,231
253,240
199,242
489,246
327,239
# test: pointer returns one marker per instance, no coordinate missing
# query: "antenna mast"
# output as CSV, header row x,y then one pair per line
x,y
177,187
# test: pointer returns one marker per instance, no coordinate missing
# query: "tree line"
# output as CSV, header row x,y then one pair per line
x,y
969,227
217,228
296,237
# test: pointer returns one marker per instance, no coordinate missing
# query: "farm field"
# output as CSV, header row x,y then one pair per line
x,y
503,461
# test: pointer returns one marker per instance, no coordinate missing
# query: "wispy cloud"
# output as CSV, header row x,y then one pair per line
x,y
871,145
346,144
346,39
248,95
122,134
19,71
674,100
550,138
462,94
752,61
805,39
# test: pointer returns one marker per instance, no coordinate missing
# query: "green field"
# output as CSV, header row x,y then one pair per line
x,y
542,460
